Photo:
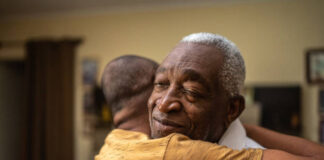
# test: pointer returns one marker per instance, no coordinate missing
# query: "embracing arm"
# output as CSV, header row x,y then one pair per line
x,y
296,147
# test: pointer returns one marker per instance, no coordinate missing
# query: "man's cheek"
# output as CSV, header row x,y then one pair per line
x,y
154,100
150,103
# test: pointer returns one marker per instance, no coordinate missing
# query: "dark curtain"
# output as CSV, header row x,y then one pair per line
x,y
50,87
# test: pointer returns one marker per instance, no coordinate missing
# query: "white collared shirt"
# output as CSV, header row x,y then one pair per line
x,y
235,137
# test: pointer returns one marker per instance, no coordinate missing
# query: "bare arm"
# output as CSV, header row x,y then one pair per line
x,y
296,147
270,154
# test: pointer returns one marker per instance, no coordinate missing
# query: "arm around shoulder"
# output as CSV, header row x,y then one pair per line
x,y
284,146
270,154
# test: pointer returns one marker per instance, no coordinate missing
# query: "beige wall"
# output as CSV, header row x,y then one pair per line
x,y
272,35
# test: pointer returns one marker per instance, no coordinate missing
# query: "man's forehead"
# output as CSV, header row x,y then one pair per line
x,y
187,53
192,55
196,62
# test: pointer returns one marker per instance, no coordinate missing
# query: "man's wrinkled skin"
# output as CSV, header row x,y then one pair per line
x,y
188,97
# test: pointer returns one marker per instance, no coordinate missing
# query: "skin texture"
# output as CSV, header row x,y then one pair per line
x,y
187,97
134,116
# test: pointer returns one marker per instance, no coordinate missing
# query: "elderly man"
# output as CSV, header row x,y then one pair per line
x,y
196,94
127,83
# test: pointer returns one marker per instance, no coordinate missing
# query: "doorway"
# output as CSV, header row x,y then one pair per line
x,y
12,109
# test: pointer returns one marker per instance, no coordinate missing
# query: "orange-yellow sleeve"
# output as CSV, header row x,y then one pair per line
x,y
181,147
127,145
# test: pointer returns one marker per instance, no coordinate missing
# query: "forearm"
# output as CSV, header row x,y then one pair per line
x,y
291,144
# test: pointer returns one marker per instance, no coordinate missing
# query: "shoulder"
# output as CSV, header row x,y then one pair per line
x,y
120,134
127,145
181,147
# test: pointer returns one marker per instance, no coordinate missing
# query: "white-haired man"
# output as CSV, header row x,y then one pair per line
x,y
231,77
197,92
196,95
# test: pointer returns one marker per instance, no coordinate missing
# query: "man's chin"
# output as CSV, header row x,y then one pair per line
x,y
160,130
164,133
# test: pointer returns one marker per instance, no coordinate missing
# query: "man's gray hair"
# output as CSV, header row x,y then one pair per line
x,y
232,73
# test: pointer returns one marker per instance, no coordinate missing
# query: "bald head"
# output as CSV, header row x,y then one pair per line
x,y
127,83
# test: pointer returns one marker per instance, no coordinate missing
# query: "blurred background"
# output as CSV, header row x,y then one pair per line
x,y
52,54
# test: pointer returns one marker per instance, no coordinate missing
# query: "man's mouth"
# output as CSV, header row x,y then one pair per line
x,y
162,126
167,123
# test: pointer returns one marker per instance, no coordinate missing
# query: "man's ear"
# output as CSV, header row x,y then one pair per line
x,y
236,106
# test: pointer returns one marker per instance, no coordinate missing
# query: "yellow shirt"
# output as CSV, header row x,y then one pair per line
x,y
128,145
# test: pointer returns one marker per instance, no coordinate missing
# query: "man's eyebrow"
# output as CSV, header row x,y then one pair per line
x,y
192,75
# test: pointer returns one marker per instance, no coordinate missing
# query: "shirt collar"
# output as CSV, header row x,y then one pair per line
x,y
234,137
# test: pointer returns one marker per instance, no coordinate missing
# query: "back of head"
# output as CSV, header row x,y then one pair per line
x,y
125,77
127,83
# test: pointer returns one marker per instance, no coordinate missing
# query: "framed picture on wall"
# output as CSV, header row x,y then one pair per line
x,y
315,66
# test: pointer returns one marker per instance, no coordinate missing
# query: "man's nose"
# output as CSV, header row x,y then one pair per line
x,y
169,102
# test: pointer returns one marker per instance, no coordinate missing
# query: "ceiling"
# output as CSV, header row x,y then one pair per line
x,y
38,7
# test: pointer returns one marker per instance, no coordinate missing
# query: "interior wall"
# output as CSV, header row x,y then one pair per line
x,y
310,117
272,36
267,33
